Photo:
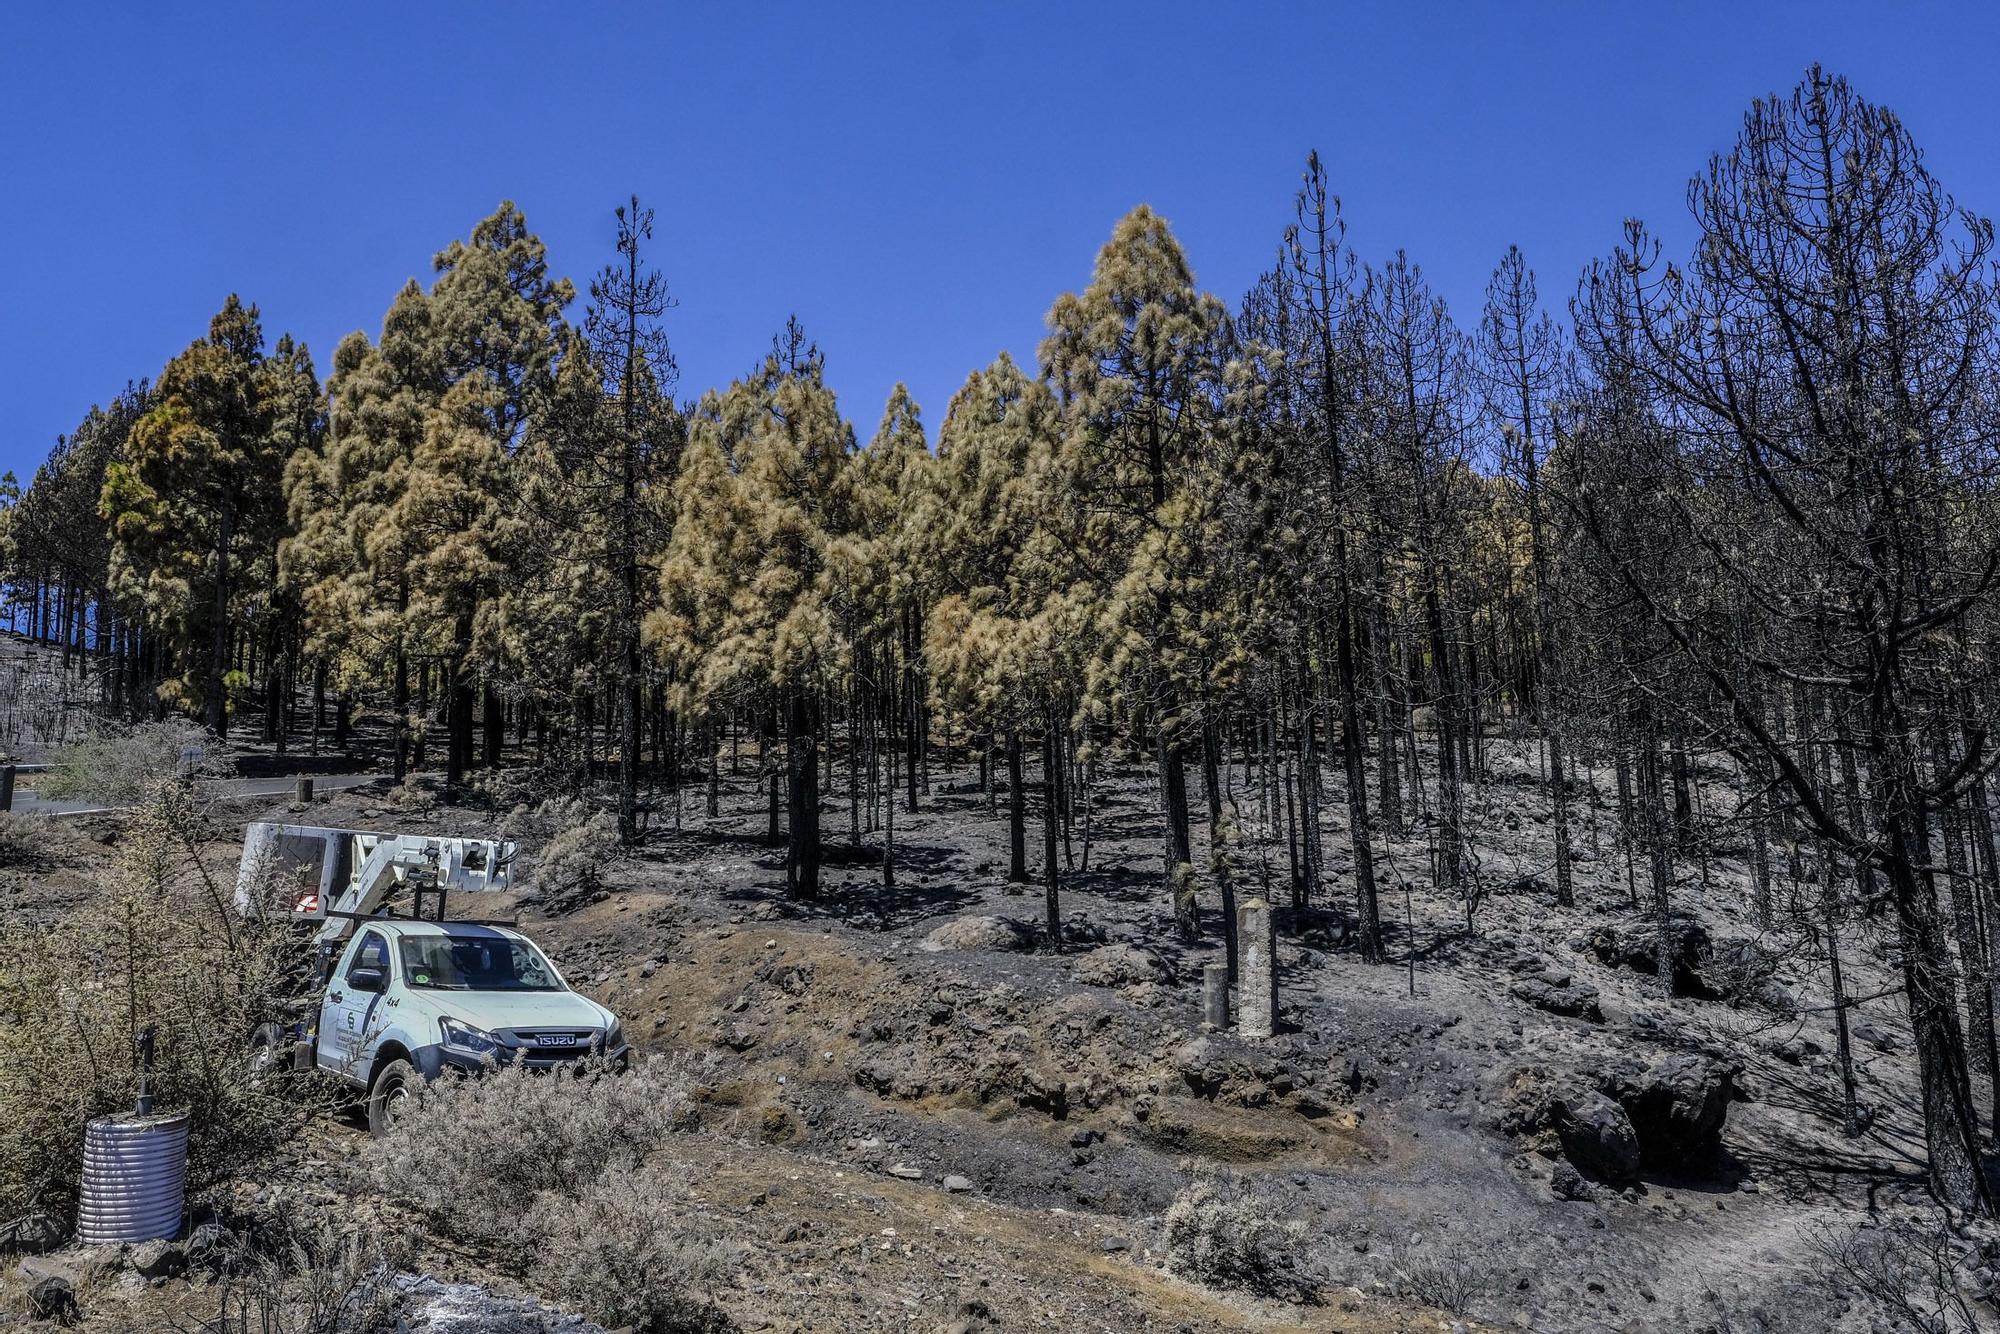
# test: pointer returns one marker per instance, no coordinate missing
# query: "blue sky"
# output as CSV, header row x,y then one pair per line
x,y
917,182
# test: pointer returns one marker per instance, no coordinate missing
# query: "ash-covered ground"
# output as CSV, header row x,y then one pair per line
x,y
920,1118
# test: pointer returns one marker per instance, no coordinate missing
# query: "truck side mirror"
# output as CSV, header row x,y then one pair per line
x,y
368,979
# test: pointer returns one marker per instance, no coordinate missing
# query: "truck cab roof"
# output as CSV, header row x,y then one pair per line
x,y
419,926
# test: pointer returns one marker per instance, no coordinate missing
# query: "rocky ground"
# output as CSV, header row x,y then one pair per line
x,y
917,1119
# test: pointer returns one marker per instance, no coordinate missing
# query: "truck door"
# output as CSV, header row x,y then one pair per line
x,y
347,1014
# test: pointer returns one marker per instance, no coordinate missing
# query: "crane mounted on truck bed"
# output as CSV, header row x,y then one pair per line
x,y
394,999
336,876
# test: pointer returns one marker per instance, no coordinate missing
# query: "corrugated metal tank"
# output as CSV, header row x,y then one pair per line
x,y
134,1178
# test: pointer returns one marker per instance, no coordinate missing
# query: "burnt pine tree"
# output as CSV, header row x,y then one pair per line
x,y
1324,280
627,300
1419,399
1520,356
1823,358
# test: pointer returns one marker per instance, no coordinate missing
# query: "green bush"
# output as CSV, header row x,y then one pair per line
x,y
120,765
163,949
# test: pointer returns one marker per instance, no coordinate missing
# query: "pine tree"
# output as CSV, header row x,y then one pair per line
x,y
498,317
556,613
354,560
62,547
1136,360
10,546
291,394
1420,412
752,604
1314,319
627,301
889,479
1822,355
196,506
1004,640
420,438
882,590
1521,352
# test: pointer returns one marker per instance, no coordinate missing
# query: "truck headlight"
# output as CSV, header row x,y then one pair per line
x,y
466,1038
614,1036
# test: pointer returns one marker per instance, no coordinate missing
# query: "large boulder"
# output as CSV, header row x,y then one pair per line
x,y
1556,1115
1733,969
1637,948
1559,993
1677,1104
983,932
1598,1137
1118,965
1665,1114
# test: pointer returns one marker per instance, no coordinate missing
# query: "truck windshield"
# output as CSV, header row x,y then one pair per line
x,y
475,963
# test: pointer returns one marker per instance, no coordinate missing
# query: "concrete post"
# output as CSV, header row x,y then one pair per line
x,y
1215,995
1257,970
6,787
305,790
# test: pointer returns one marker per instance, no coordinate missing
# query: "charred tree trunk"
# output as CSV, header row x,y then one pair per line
x,y
1051,872
1180,843
1219,834
802,761
1017,812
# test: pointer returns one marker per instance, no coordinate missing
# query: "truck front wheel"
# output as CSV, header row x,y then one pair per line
x,y
389,1097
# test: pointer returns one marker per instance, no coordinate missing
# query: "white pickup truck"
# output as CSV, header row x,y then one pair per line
x,y
406,998
409,1000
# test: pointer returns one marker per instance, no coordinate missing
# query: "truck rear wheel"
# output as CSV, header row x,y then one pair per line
x,y
389,1097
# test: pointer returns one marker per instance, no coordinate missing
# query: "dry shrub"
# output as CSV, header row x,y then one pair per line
x,y
502,789
413,796
1220,1234
472,1152
1447,1274
632,1250
319,1281
31,842
578,842
1914,1271
548,1174
120,765
164,949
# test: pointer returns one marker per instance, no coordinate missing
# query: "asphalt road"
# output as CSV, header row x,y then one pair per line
x,y
27,802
